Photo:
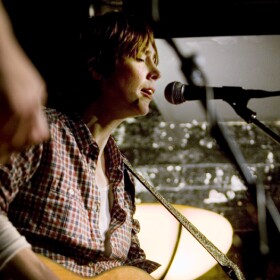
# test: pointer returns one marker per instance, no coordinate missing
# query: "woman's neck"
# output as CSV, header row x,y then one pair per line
x,y
100,125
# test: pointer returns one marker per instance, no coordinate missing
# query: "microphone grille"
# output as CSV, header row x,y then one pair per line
x,y
174,93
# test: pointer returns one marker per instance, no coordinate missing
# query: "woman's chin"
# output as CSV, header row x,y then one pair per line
x,y
145,108
144,111
141,108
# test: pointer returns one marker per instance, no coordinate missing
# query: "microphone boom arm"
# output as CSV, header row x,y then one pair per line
x,y
251,117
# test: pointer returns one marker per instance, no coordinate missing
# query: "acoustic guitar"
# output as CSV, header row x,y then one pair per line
x,y
118,273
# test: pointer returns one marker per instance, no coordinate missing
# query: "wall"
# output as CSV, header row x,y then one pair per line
x,y
187,166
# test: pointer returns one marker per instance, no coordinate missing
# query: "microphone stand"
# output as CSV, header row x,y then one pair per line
x,y
239,105
195,77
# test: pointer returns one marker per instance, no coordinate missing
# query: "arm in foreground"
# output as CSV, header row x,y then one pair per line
x,y
22,95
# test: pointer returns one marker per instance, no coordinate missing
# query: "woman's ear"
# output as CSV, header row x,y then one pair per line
x,y
93,69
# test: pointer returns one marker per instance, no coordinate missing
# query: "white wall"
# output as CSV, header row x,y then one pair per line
x,y
250,62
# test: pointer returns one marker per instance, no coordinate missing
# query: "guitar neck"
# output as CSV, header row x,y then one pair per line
x,y
227,265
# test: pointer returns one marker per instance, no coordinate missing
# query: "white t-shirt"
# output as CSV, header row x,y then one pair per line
x,y
105,216
11,242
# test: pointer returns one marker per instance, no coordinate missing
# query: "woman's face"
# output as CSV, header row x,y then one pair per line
x,y
128,91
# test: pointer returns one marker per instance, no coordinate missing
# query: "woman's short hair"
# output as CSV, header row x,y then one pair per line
x,y
112,36
105,39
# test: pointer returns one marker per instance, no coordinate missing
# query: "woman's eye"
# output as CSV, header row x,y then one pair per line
x,y
140,59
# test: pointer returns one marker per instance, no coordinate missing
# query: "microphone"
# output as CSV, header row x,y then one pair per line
x,y
177,93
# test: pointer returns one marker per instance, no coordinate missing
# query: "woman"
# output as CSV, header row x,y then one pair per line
x,y
75,199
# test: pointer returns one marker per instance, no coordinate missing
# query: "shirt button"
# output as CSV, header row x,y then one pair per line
x,y
71,192
96,207
90,264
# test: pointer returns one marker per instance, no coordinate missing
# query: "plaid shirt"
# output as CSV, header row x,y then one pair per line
x,y
49,194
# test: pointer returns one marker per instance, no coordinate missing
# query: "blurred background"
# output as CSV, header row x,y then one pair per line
x,y
237,44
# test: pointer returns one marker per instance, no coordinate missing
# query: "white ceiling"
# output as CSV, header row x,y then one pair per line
x,y
250,62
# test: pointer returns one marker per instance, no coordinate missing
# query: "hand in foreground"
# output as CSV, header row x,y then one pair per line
x,y
25,265
22,95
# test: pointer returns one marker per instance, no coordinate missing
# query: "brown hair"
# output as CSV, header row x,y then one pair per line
x,y
115,35
105,39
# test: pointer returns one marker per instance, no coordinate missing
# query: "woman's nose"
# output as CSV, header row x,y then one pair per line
x,y
154,73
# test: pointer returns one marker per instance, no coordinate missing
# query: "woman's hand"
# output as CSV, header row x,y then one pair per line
x,y
25,265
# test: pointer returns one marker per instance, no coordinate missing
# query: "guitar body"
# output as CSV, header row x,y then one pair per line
x,y
118,273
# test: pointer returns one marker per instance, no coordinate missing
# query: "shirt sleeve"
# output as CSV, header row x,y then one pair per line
x,y
13,174
136,255
11,242
16,173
